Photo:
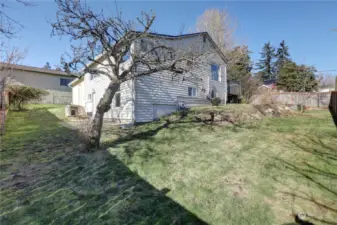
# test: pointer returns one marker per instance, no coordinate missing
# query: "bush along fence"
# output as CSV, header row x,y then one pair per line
x,y
309,99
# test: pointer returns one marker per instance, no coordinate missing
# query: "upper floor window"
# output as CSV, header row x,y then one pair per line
x,y
146,45
215,72
64,81
143,45
192,92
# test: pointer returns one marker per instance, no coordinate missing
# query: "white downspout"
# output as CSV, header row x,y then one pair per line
x,y
225,79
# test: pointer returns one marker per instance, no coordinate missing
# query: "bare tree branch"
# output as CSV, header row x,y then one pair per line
x,y
8,25
109,47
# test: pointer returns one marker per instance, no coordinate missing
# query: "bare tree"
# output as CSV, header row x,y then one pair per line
x,y
7,59
9,26
220,26
107,49
326,81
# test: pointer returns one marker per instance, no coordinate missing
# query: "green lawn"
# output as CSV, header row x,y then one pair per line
x,y
184,173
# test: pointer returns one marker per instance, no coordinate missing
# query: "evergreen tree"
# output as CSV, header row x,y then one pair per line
x,y
266,63
240,71
297,78
47,66
282,56
241,68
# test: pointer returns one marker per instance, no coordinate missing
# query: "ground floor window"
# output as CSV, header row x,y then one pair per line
x,y
192,92
65,82
214,94
118,99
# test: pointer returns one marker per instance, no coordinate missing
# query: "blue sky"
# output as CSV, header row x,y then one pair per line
x,y
305,26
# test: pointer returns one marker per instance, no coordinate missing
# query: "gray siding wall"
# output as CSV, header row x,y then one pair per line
x,y
163,88
139,96
96,88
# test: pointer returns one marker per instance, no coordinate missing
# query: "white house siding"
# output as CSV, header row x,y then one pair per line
x,y
75,96
96,88
78,93
163,89
49,82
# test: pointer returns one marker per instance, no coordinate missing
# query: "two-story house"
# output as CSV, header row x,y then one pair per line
x,y
146,98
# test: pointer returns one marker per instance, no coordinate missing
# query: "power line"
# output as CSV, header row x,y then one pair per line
x,y
326,70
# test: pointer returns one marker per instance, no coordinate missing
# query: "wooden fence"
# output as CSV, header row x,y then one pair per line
x,y
309,99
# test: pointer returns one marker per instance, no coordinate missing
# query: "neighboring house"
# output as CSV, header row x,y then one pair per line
x,y
146,98
53,81
269,85
326,89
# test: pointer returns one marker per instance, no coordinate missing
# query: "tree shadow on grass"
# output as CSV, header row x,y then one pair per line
x,y
315,165
149,130
70,187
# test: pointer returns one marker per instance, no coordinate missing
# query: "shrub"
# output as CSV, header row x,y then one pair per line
x,y
215,101
301,107
243,100
21,95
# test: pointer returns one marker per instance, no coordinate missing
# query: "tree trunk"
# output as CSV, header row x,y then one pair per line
x,y
103,106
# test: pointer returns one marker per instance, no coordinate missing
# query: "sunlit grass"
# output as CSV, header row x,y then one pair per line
x,y
229,176
183,173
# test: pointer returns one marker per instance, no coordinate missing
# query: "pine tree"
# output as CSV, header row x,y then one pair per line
x,y
266,63
282,56
47,66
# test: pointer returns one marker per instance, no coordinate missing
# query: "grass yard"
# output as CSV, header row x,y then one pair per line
x,y
184,173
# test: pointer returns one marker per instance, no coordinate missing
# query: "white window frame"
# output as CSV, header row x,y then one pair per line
x,y
193,88
219,72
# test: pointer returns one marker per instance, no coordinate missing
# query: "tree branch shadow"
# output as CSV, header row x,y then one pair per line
x,y
82,188
318,167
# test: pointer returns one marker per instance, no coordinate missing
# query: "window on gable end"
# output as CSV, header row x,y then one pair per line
x,y
215,72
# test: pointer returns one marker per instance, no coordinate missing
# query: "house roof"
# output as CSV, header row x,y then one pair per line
x,y
269,82
35,69
74,82
191,35
177,37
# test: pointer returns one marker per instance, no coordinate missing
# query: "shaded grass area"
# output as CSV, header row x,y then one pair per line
x,y
169,173
45,179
